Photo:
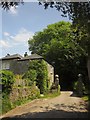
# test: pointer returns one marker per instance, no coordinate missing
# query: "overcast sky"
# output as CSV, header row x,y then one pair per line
x,y
20,24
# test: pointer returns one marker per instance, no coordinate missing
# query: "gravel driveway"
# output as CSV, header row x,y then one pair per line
x,y
63,106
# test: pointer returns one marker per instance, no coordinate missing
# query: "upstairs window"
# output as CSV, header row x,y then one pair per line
x,y
5,65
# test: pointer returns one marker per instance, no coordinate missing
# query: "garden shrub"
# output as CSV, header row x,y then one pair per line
x,y
6,104
37,71
78,87
7,80
36,77
35,92
17,76
31,76
43,77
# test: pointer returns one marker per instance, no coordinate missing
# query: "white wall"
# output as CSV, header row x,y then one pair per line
x,y
50,73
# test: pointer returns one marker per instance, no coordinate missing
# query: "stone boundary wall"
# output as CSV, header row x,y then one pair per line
x,y
21,90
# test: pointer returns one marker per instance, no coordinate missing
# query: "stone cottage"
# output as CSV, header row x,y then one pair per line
x,y
19,65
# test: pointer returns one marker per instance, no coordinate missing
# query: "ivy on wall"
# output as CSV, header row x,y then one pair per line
x,y
37,72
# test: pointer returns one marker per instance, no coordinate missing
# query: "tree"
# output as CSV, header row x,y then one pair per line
x,y
79,13
57,45
7,4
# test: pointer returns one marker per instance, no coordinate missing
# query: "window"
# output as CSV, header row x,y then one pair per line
x,y
5,65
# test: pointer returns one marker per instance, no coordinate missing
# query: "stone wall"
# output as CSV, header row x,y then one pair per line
x,y
21,90
50,69
20,93
20,67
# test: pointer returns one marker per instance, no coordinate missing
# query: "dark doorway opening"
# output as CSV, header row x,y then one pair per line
x,y
66,83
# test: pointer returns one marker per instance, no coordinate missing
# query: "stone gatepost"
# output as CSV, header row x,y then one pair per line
x,y
56,80
80,85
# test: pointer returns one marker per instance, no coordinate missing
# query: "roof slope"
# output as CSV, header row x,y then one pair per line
x,y
32,57
15,56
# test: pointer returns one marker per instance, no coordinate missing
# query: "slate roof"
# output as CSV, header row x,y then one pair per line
x,y
32,57
15,56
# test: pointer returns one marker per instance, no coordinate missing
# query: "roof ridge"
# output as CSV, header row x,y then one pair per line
x,y
12,56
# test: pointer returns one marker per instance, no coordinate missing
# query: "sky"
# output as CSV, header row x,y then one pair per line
x,y
20,24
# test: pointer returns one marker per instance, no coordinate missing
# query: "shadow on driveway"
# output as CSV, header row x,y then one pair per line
x,y
51,114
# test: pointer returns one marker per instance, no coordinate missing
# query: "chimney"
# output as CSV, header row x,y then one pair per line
x,y
7,55
32,53
25,54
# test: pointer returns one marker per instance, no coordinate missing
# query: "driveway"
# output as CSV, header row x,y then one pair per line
x,y
63,106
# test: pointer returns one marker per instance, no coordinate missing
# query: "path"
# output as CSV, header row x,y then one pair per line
x,y
63,106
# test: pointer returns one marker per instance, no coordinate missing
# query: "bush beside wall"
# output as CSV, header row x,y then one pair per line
x,y
37,72
15,91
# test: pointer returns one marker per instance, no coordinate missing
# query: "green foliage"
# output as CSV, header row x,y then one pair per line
x,y
37,71
79,87
7,80
6,5
57,45
31,76
79,13
6,104
35,92
51,94
42,40
17,76
86,98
